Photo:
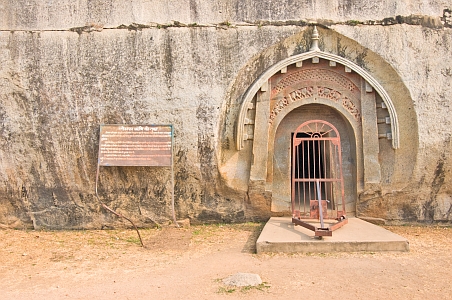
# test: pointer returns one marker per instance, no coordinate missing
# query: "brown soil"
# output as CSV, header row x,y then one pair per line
x,y
189,263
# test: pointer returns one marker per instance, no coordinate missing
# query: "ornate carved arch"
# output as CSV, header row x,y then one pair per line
x,y
315,54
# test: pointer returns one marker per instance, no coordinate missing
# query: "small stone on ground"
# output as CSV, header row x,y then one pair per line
x,y
243,279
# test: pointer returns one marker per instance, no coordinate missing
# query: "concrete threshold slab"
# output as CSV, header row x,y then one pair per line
x,y
280,235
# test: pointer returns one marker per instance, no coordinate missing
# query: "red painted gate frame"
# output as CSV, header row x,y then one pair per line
x,y
316,135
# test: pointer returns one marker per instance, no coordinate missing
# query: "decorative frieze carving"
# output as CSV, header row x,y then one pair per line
x,y
328,93
348,104
317,75
294,96
317,91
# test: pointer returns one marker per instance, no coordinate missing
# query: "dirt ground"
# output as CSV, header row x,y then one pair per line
x,y
189,263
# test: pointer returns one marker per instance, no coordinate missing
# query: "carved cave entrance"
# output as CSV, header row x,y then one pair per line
x,y
314,86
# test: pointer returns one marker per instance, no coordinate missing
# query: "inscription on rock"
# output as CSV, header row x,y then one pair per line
x,y
135,145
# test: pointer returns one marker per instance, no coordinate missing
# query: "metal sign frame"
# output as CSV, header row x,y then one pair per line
x,y
136,145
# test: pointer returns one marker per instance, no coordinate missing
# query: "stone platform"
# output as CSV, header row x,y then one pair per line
x,y
280,235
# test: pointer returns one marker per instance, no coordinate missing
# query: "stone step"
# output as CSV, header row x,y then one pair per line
x,y
280,235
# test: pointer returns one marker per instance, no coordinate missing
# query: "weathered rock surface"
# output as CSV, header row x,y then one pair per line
x,y
66,68
65,14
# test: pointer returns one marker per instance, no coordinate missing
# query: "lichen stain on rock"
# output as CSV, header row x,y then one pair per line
x,y
70,217
194,15
206,151
141,193
305,42
439,176
361,59
168,60
186,186
409,212
447,17
208,216
341,49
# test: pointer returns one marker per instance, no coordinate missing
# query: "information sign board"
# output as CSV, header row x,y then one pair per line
x,y
135,145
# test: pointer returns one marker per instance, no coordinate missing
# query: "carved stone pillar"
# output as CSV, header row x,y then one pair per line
x,y
259,198
260,143
372,173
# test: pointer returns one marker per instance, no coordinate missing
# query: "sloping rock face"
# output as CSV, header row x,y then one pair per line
x,y
67,67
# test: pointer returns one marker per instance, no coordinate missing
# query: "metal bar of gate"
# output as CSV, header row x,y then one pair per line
x,y
298,176
294,164
320,179
300,198
322,225
309,168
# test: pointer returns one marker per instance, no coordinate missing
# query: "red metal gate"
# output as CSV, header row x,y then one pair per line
x,y
317,182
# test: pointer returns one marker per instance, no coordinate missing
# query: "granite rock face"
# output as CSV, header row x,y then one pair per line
x,y
66,68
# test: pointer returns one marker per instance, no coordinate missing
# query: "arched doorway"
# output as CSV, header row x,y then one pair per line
x,y
284,158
